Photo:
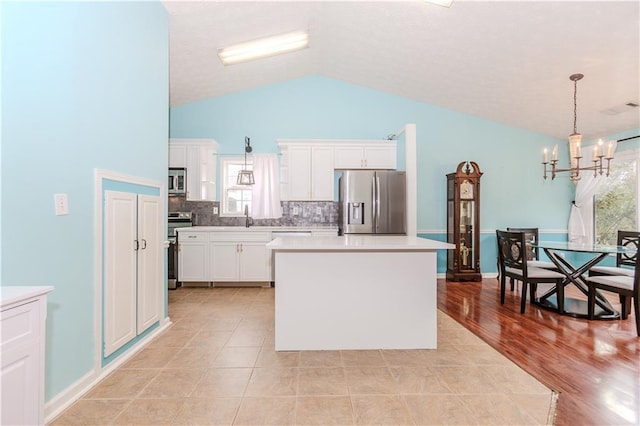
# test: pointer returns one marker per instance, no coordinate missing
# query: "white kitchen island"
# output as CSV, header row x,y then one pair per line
x,y
355,292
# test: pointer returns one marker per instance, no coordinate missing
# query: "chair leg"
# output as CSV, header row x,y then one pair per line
x,y
523,301
636,308
512,284
626,306
502,288
533,289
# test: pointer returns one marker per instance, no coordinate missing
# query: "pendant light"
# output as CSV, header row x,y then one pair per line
x,y
245,176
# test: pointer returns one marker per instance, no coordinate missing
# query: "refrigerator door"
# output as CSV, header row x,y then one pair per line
x,y
390,202
356,202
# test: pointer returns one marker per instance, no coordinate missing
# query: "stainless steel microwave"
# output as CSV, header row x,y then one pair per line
x,y
177,183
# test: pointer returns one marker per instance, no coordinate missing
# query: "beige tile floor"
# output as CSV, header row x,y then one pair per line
x,y
217,366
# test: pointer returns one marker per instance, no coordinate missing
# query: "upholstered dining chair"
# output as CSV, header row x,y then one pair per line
x,y
625,262
627,287
533,253
514,264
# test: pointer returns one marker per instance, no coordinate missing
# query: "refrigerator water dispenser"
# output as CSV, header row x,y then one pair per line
x,y
356,214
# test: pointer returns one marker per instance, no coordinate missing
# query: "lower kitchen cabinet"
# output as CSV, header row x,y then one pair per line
x,y
193,256
240,256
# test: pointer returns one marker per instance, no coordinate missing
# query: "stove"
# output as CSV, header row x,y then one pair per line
x,y
175,220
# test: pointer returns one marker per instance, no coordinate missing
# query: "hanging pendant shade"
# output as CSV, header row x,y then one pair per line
x,y
245,176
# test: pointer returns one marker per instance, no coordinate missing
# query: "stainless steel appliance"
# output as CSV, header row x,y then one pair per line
x,y
177,183
372,202
175,220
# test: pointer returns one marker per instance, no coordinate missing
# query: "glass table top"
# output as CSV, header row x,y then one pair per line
x,y
586,248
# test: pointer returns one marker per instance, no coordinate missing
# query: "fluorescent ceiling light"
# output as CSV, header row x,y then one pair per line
x,y
264,47
445,3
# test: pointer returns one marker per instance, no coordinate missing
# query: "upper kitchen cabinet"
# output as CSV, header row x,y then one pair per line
x,y
306,171
198,157
366,155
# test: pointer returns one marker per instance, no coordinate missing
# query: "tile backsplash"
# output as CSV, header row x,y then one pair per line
x,y
307,213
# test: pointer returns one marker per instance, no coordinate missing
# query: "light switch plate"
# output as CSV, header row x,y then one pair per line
x,y
215,210
319,211
61,204
296,210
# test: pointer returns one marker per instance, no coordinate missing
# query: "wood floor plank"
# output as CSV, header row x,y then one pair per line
x,y
594,365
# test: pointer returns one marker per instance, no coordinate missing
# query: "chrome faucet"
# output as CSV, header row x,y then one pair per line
x,y
247,221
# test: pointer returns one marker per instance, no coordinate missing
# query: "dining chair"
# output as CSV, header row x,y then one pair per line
x,y
514,264
625,262
627,288
533,253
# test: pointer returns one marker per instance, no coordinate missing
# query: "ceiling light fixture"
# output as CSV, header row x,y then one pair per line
x,y
444,3
575,153
245,176
264,47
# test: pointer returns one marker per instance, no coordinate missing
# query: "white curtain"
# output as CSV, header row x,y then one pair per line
x,y
265,202
581,218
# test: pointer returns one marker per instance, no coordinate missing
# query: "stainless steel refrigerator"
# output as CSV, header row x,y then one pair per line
x,y
372,202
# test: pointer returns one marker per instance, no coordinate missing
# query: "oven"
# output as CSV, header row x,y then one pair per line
x,y
175,220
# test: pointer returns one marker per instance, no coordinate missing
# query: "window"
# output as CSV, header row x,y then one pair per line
x,y
616,200
234,197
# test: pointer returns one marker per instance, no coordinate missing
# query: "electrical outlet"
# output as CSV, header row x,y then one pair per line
x,y
296,210
319,211
61,204
215,210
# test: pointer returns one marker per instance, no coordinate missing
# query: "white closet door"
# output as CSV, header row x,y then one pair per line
x,y
150,261
120,269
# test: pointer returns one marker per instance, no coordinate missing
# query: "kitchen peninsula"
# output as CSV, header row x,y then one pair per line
x,y
355,292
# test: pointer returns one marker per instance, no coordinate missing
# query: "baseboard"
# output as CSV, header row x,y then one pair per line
x,y
63,400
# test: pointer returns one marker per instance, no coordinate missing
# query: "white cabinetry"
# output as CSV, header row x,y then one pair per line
x,y
307,172
193,256
366,155
240,256
133,276
198,156
22,353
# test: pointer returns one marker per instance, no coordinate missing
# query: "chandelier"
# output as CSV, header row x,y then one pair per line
x,y
575,151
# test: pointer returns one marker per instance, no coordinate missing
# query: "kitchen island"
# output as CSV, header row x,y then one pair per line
x,y
355,292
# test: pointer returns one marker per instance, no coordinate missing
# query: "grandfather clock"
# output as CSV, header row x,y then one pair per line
x,y
463,222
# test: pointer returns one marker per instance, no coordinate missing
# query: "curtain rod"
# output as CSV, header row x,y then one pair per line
x,y
629,138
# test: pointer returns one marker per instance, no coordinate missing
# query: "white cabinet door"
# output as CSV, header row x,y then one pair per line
x,y
177,155
322,173
349,157
299,173
254,262
150,261
193,257
224,257
194,178
120,270
381,157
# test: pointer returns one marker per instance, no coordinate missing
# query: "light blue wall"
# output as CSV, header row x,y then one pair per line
x,y
85,86
513,192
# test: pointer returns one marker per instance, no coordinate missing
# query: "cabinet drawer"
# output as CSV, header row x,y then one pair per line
x,y
19,325
241,237
185,237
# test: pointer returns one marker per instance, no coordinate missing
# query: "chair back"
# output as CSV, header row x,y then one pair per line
x,y
531,237
631,240
512,249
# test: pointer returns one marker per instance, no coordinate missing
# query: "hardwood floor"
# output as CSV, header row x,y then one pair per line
x,y
594,365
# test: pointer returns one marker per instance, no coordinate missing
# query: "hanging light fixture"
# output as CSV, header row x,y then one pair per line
x,y
575,152
245,176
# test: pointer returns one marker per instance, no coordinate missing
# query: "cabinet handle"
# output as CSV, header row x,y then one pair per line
x,y
144,244
137,245
191,236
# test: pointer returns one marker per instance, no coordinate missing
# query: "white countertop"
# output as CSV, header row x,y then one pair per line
x,y
13,294
255,228
358,243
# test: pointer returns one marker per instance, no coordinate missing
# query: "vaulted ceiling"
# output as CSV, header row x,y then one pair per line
x,y
506,61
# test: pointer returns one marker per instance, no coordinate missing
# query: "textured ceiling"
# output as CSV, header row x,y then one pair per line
x,y
504,61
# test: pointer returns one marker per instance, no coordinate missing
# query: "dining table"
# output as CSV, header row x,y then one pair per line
x,y
555,299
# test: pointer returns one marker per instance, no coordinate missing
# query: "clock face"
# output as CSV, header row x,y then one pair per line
x,y
466,190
